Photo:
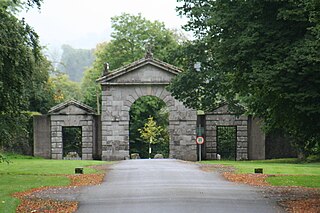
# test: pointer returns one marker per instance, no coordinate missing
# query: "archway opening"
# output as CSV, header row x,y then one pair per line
x,y
72,142
227,142
142,112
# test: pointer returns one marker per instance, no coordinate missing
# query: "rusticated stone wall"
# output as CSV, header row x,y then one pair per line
x,y
116,103
121,88
221,117
83,121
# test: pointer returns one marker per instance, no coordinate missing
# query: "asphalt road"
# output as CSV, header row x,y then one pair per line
x,y
170,186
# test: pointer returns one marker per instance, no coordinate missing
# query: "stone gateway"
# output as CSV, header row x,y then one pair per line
x,y
106,136
122,87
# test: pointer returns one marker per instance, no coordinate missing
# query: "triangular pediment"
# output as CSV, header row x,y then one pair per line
x,y
71,107
225,109
222,109
144,71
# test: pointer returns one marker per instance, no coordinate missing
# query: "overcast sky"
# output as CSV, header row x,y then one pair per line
x,y
85,23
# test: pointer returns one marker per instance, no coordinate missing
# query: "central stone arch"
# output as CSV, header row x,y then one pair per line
x,y
122,87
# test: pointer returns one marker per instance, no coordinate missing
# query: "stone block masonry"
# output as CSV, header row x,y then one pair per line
x,y
60,121
222,117
115,124
121,88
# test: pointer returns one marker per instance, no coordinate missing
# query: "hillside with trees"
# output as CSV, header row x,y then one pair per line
x,y
74,62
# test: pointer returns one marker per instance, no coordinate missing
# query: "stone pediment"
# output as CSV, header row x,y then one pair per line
x,y
222,109
144,71
71,107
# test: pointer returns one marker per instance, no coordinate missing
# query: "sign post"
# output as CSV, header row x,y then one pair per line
x,y
200,141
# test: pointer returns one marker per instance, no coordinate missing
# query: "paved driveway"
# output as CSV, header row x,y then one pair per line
x,y
154,186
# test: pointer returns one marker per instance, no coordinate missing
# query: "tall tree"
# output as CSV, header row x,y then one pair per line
x,y
262,54
129,40
23,71
131,36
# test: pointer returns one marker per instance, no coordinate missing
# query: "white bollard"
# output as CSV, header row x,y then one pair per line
x,y
218,157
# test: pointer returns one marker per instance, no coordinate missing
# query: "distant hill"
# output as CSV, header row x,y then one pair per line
x,y
74,61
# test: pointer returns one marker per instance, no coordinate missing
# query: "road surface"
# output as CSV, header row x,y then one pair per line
x,y
167,186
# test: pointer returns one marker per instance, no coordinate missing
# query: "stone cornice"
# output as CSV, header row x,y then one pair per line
x,y
71,102
137,64
135,83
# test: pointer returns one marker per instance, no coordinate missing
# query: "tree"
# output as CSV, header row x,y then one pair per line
x,y
23,72
14,5
150,132
142,109
129,40
91,91
261,54
64,89
41,91
75,61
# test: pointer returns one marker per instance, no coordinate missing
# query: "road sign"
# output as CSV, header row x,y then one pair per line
x,y
200,140
200,131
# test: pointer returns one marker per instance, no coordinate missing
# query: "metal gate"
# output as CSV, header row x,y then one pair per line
x,y
227,142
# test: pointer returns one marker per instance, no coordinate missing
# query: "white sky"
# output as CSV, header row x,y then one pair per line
x,y
85,23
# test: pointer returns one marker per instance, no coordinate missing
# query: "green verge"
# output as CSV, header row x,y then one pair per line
x,y
24,173
295,173
9,184
312,181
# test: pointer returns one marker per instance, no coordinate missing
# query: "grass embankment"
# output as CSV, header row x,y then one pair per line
x,y
24,173
289,172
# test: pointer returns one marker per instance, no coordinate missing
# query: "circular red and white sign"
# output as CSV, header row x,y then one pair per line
x,y
200,140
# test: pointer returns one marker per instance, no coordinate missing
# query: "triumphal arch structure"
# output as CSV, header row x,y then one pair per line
x,y
122,87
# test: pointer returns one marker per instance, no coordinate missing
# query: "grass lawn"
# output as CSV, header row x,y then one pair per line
x,y
296,173
24,173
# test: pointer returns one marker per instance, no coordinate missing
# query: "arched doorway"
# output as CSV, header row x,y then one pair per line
x,y
145,112
122,87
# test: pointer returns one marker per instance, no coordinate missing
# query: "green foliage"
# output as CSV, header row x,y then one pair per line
x,y
63,88
151,131
130,37
15,5
313,158
262,54
12,155
91,91
23,75
19,55
75,61
226,142
3,158
140,112
72,140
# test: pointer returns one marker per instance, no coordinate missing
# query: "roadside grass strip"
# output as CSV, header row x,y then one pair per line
x,y
312,181
26,173
281,172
